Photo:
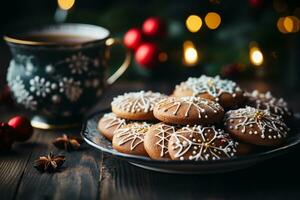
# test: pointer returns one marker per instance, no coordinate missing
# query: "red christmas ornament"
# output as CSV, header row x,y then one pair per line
x,y
255,3
6,136
133,38
22,128
154,27
147,55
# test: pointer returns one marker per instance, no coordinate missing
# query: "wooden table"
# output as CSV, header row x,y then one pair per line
x,y
89,174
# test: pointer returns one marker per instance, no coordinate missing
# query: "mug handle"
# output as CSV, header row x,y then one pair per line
x,y
123,67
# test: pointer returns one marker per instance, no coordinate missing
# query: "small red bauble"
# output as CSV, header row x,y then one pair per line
x,y
133,38
6,136
147,55
154,27
22,128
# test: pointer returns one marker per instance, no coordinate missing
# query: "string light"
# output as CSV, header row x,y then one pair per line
x,y
65,4
212,20
256,56
193,23
288,24
190,54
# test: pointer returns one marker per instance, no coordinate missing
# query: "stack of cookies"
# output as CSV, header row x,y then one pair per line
x,y
206,118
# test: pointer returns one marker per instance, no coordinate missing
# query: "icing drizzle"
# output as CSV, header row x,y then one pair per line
x,y
270,126
200,104
112,120
266,101
163,132
133,133
214,86
137,101
203,143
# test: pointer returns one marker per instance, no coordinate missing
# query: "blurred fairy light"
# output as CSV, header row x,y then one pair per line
x,y
193,23
288,24
163,57
65,4
280,5
212,20
190,54
256,56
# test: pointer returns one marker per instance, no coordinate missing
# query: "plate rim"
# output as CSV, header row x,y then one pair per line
x,y
243,158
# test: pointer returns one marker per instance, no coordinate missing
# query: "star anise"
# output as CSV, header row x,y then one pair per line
x,y
49,163
68,142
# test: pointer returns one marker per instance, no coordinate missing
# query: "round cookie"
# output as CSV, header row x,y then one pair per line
x,y
157,139
109,123
136,105
188,110
254,126
225,92
266,101
130,138
201,143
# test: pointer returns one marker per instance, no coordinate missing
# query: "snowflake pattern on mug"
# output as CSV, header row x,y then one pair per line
x,y
40,86
78,63
70,88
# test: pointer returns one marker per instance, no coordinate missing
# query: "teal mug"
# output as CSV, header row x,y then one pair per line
x,y
59,72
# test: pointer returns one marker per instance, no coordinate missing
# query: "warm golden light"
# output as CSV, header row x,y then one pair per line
x,y
193,23
190,54
256,56
212,20
65,4
288,24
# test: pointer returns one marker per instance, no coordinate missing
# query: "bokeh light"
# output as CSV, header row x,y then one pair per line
x,y
256,56
193,23
212,20
65,4
190,54
288,24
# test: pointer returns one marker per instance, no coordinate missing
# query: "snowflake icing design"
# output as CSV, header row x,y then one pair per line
x,y
137,101
78,63
40,86
70,88
212,85
268,124
112,120
22,96
163,133
202,143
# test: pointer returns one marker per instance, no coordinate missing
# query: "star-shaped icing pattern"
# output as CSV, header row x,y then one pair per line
x,y
269,102
270,126
202,143
137,101
197,103
214,86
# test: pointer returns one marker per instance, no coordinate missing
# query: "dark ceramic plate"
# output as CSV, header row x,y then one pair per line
x,y
91,135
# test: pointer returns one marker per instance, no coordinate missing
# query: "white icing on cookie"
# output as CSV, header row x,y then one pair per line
x,y
204,143
214,86
112,120
270,126
163,132
201,105
133,134
137,101
269,102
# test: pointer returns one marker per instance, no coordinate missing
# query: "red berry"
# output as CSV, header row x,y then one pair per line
x,y
147,55
154,27
133,38
22,127
6,136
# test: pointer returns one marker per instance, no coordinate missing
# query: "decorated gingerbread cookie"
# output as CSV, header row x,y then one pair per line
x,y
136,105
225,92
157,140
256,126
201,143
188,110
266,101
109,123
130,138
